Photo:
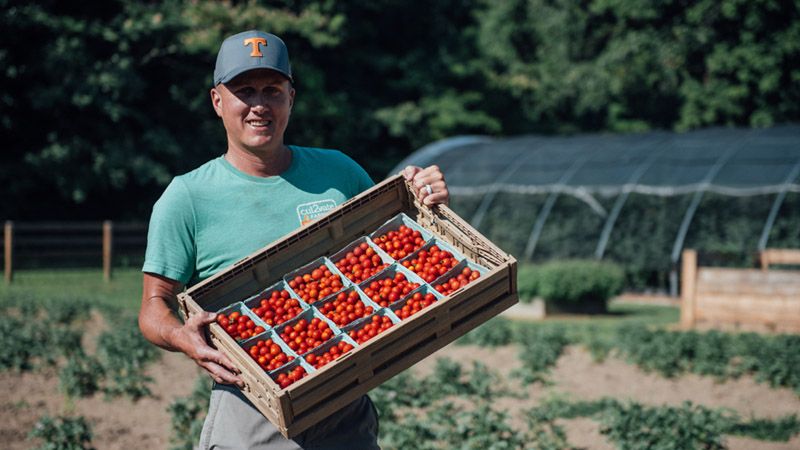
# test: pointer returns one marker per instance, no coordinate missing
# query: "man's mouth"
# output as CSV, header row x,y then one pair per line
x,y
259,123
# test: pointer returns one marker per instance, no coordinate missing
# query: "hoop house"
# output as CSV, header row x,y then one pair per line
x,y
636,199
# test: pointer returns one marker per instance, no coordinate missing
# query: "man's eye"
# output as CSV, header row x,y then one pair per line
x,y
272,90
245,91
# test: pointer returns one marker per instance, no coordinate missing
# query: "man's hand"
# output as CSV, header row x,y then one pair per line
x,y
428,183
190,340
160,326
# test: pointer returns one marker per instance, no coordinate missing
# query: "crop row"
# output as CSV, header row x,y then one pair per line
x,y
36,334
771,359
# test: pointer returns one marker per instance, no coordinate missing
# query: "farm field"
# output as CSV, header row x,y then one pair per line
x,y
568,382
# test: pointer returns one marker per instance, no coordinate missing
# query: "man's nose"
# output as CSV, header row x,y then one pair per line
x,y
258,101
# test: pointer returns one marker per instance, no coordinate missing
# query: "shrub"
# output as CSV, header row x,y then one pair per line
x,y
527,282
576,282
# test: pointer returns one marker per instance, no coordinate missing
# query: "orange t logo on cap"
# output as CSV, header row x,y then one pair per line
x,y
255,43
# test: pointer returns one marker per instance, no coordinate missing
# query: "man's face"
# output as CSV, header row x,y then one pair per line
x,y
255,108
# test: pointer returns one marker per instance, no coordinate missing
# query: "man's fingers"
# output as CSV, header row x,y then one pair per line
x,y
436,198
437,194
208,354
220,374
410,171
199,320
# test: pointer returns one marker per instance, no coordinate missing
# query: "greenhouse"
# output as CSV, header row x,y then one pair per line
x,y
636,199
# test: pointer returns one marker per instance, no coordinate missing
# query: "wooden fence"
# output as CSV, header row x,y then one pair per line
x,y
765,299
72,244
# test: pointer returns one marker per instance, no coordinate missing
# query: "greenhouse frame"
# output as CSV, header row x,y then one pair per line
x,y
756,169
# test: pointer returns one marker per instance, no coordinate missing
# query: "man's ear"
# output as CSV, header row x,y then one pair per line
x,y
291,98
216,101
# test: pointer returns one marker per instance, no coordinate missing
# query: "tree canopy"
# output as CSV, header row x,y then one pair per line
x,y
102,103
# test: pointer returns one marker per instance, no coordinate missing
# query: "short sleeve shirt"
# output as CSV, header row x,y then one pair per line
x,y
215,215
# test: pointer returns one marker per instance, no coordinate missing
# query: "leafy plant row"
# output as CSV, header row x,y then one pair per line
x,y
632,425
771,359
36,333
451,409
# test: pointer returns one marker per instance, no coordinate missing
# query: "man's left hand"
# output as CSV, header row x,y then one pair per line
x,y
428,183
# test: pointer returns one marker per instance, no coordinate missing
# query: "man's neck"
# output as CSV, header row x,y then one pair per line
x,y
265,164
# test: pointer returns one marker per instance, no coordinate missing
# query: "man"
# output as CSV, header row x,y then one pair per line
x,y
213,216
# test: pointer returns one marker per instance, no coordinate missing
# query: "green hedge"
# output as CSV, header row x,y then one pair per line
x,y
527,282
572,283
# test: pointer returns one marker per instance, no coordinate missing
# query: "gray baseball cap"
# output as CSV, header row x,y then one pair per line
x,y
250,50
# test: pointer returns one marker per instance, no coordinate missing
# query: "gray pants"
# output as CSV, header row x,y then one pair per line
x,y
234,423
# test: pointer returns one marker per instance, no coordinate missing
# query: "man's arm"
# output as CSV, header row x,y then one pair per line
x,y
160,326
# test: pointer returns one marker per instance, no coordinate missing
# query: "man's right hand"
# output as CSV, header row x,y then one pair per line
x,y
160,326
190,340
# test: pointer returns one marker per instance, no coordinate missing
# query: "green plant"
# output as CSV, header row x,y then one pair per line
x,y
67,311
579,281
772,359
540,349
781,429
188,414
634,426
124,354
527,282
62,433
80,376
496,332
26,341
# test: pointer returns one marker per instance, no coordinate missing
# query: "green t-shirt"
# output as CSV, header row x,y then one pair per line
x,y
215,215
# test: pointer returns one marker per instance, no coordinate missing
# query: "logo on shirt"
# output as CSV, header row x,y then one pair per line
x,y
309,212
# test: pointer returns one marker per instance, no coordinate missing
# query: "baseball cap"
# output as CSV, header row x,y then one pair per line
x,y
250,50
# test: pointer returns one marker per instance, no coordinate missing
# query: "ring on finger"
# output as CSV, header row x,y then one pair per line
x,y
428,189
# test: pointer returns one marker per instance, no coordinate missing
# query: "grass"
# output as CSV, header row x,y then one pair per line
x,y
124,290
601,326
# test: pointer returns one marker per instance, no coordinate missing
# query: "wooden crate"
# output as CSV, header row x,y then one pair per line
x,y
327,390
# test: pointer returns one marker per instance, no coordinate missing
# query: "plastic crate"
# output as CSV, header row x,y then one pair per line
x,y
323,392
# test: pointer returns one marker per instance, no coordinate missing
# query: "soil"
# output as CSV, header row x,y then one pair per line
x,y
125,424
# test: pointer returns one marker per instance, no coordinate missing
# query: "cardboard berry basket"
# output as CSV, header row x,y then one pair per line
x,y
323,392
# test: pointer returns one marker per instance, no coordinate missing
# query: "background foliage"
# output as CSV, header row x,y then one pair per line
x,y
101,102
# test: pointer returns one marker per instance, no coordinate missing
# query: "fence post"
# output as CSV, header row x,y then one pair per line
x,y
107,242
688,287
8,233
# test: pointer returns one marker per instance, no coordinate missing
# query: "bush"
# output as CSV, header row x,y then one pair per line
x,y
527,282
574,283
